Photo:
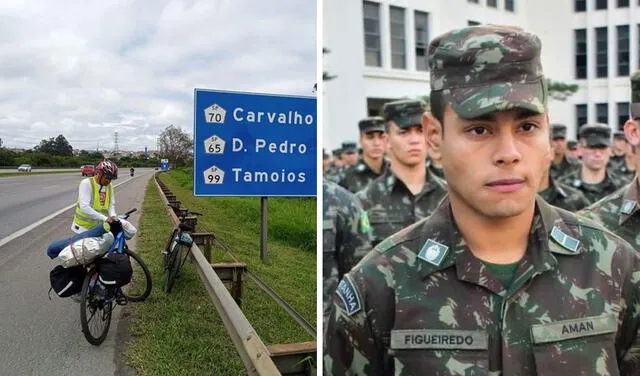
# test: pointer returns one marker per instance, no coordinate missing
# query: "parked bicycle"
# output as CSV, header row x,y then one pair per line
x,y
178,243
98,298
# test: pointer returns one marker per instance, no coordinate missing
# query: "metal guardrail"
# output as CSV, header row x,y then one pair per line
x,y
254,353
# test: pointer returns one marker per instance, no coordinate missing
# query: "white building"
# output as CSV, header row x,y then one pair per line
x,y
592,43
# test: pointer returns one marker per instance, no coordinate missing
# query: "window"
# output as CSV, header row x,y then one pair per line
x,y
581,115
601,4
580,5
422,40
372,34
623,3
581,53
622,33
509,5
473,23
602,113
601,52
492,3
623,114
398,49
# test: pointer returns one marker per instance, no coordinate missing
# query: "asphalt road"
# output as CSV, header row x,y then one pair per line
x,y
8,170
39,336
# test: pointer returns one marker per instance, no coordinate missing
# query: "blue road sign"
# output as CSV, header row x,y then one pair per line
x,y
248,144
164,164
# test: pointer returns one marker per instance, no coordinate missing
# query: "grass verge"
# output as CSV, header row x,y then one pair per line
x,y
181,333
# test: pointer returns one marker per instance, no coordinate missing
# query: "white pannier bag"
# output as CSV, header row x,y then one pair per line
x,y
128,229
84,251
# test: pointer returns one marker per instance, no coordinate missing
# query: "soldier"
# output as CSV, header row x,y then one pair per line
x,y
337,164
573,151
620,211
406,191
326,162
374,143
342,242
593,179
558,194
495,281
561,164
349,153
623,164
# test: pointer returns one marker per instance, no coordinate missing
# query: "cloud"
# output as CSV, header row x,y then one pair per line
x,y
89,69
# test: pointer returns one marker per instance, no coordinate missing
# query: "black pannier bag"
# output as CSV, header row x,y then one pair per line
x,y
114,269
67,281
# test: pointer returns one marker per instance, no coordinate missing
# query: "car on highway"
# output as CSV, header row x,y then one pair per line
x,y
24,168
87,170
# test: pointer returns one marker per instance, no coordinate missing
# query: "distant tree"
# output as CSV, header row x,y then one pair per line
x,y
0,142
55,146
560,91
176,146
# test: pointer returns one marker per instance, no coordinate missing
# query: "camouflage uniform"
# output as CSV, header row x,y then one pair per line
x,y
390,206
357,177
334,172
563,196
617,161
422,303
343,244
388,202
437,171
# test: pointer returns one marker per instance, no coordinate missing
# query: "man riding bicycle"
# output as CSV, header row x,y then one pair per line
x,y
96,202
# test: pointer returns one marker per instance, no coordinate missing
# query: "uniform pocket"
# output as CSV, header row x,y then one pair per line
x,y
582,346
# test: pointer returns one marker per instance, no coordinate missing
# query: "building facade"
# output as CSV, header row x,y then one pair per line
x,y
378,53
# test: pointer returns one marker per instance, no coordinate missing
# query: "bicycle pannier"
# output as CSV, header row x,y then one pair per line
x,y
67,281
114,269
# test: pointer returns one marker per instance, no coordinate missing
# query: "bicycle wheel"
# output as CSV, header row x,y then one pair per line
x,y
172,268
140,288
167,248
95,309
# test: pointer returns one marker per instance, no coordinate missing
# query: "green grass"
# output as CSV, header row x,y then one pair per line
x,y
182,333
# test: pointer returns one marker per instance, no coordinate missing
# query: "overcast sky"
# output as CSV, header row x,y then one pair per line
x,y
88,69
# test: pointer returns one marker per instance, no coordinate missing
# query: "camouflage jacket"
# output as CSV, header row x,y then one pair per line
x,y
566,167
619,213
616,161
625,173
342,243
563,196
593,192
390,206
334,174
421,303
357,177
438,171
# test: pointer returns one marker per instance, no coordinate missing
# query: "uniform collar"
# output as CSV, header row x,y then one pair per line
x,y
551,234
392,182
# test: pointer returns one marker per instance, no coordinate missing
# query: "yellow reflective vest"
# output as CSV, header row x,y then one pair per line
x,y
80,218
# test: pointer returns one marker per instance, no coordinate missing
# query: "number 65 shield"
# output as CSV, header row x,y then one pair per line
x,y
213,175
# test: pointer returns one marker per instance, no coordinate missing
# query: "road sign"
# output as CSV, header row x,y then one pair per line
x,y
164,164
249,144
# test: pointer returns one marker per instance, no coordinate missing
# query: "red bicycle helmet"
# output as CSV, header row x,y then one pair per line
x,y
108,168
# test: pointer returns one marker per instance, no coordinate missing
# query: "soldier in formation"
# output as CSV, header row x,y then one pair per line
x,y
593,178
495,281
335,170
373,139
406,191
561,164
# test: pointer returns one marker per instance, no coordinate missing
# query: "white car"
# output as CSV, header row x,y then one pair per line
x,y
24,167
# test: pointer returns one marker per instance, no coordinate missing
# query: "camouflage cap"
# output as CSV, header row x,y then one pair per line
x,y
596,135
336,152
405,113
371,124
558,131
619,135
488,68
635,95
572,145
349,147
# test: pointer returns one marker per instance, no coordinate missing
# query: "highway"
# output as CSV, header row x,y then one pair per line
x,y
41,336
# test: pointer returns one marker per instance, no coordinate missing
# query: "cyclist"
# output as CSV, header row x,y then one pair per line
x,y
131,170
96,201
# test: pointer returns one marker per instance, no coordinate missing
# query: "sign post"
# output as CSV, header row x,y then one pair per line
x,y
260,145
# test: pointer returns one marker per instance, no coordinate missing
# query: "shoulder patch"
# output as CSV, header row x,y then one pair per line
x,y
365,225
433,252
628,206
349,295
565,240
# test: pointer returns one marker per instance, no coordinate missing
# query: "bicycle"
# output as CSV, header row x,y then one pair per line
x,y
179,240
98,301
